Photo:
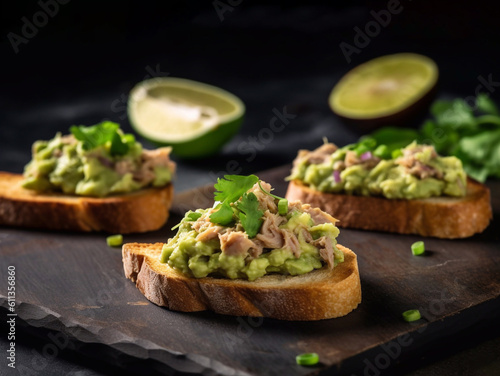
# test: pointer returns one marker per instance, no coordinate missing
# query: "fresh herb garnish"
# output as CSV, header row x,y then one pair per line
x,y
231,189
190,216
103,133
472,134
250,215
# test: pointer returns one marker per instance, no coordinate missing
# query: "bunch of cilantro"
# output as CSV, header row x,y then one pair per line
x,y
472,134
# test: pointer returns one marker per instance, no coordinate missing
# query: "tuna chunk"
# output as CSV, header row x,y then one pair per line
x,y
209,233
324,244
415,167
152,159
255,250
266,202
235,243
270,235
368,162
321,154
291,243
318,216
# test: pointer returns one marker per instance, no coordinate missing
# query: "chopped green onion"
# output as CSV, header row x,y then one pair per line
x,y
282,203
396,153
412,315
114,240
283,206
382,151
307,359
418,248
360,149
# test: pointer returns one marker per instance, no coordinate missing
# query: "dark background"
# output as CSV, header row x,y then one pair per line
x,y
80,66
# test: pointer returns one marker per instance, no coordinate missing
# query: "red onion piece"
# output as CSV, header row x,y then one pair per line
x,y
366,155
336,176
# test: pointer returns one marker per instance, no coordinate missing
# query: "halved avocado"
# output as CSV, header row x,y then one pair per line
x,y
390,90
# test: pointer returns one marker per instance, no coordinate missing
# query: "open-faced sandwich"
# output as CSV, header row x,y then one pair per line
x,y
411,190
252,254
95,179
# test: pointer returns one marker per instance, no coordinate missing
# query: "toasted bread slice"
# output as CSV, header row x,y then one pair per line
x,y
441,217
140,211
320,294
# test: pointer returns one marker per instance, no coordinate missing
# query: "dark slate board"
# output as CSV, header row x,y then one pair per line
x,y
73,283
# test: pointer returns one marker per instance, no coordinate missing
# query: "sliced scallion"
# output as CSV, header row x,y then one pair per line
x,y
412,315
114,240
283,206
418,248
307,359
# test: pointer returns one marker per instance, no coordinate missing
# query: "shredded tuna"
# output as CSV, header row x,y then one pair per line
x,y
255,250
307,235
327,148
68,139
124,166
318,216
324,244
270,235
291,243
152,159
209,233
202,223
415,167
266,202
321,154
294,205
339,165
352,158
235,243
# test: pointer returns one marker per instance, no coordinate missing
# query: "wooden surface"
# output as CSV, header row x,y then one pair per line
x,y
74,283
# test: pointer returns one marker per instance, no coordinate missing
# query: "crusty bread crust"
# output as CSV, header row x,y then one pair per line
x,y
317,295
441,217
141,211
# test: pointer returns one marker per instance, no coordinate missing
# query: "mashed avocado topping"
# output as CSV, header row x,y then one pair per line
x,y
255,237
96,161
413,172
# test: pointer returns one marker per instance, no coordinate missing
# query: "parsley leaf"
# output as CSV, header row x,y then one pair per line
x,y
232,187
250,215
486,105
471,133
229,190
223,216
101,134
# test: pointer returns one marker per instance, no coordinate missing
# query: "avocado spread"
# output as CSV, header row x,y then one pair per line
x,y
262,234
413,172
96,161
